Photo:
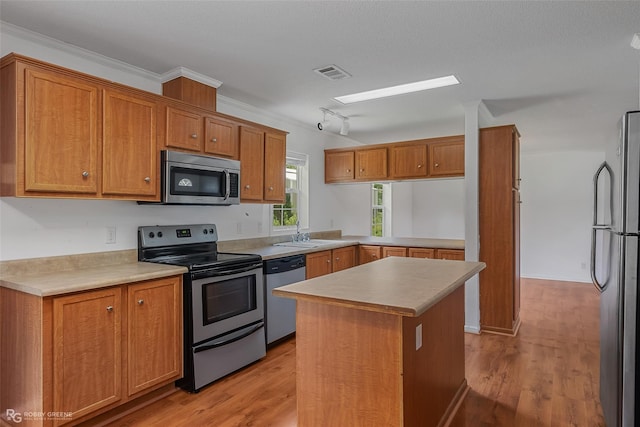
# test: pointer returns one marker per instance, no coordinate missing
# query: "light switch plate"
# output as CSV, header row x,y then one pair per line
x,y
418,336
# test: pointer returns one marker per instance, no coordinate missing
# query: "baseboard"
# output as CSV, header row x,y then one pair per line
x,y
472,329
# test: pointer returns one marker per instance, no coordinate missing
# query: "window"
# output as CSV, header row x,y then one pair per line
x,y
377,210
295,207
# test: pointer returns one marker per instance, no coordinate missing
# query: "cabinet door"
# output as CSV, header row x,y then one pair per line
x,y
344,258
446,158
516,254
61,134
451,254
339,166
154,333
388,251
221,138
184,129
408,161
318,264
422,253
129,146
252,164
86,351
371,164
515,161
369,253
275,156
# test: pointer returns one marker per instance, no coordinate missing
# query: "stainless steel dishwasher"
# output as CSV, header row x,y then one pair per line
x,y
280,313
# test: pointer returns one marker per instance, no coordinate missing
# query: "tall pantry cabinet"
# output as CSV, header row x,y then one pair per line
x,y
499,194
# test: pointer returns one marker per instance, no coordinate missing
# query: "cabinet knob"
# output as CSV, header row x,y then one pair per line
x,y
348,170
85,174
419,166
147,179
270,188
109,308
337,258
194,135
140,301
328,261
247,187
436,165
214,139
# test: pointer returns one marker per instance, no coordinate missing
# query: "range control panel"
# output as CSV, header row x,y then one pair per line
x,y
169,235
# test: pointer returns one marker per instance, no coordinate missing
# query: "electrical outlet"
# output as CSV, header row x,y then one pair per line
x,y
418,336
111,235
239,228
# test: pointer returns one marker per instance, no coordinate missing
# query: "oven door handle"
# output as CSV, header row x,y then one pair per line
x,y
231,338
214,273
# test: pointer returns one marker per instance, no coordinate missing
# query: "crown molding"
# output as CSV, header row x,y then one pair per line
x,y
190,74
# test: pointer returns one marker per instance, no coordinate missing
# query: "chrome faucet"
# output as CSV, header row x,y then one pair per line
x,y
300,237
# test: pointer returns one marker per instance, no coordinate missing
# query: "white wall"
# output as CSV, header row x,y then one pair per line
x,y
48,227
438,208
556,214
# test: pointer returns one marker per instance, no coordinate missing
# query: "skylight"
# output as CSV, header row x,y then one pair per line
x,y
398,90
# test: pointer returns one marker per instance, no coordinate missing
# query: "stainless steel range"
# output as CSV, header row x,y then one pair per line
x,y
223,300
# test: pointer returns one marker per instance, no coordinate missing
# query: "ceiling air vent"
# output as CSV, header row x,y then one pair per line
x,y
332,72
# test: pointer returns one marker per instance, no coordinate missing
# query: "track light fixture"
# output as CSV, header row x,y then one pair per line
x,y
344,129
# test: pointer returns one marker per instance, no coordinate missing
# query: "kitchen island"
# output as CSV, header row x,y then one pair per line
x,y
381,343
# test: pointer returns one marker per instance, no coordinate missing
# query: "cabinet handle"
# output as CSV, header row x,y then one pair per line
x,y
337,258
362,170
328,261
247,186
348,170
109,308
270,188
436,165
214,139
419,166
194,135
85,174
147,179
140,301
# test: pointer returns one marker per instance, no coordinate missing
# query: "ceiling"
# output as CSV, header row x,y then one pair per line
x,y
563,72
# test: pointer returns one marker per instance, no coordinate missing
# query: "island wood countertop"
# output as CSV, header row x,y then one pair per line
x,y
395,285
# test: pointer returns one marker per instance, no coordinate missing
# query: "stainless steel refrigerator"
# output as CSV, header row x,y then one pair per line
x,y
614,271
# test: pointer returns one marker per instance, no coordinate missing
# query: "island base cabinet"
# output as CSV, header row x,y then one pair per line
x,y
361,368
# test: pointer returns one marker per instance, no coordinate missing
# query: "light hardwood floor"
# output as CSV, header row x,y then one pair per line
x,y
546,376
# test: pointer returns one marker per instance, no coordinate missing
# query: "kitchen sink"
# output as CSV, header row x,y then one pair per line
x,y
313,243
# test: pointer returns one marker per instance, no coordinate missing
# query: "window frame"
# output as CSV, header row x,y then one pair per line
x,y
300,160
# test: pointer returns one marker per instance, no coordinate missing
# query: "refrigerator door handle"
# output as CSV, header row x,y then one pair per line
x,y
594,230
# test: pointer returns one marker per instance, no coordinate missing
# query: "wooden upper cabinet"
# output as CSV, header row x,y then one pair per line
x,y
86,351
154,333
129,146
371,163
339,166
344,258
408,161
61,139
446,158
275,155
318,264
252,164
184,129
221,137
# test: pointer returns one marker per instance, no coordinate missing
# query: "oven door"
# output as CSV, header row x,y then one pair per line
x,y
226,302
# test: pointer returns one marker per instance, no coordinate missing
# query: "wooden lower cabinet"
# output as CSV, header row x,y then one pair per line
x,y
86,353
393,251
369,253
343,258
87,338
330,261
422,253
452,254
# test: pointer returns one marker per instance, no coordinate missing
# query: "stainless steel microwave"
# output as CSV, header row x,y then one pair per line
x,y
190,179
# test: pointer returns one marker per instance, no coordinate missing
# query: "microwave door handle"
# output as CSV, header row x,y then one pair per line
x,y
227,179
